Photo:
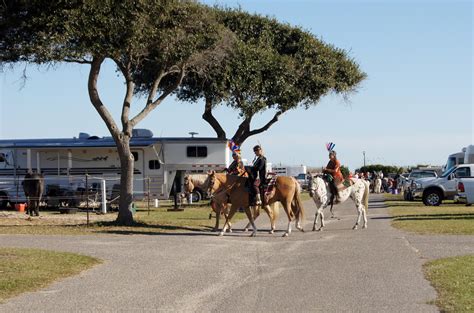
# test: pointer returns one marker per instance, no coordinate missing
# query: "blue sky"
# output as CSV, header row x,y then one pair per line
x,y
416,105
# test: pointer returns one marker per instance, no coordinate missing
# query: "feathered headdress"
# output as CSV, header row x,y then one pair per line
x,y
235,148
330,146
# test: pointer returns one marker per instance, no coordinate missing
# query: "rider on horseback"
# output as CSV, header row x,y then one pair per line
x,y
333,168
237,166
259,174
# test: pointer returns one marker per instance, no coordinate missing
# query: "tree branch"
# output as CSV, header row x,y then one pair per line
x,y
246,133
95,98
208,117
151,105
127,101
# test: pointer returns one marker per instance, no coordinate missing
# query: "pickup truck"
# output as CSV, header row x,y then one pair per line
x,y
466,189
406,185
434,190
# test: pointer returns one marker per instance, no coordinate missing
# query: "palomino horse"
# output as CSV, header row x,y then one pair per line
x,y
321,194
286,191
218,202
33,186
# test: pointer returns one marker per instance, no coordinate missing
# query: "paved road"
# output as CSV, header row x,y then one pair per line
x,y
338,270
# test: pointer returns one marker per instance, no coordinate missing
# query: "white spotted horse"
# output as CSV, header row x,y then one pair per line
x,y
321,194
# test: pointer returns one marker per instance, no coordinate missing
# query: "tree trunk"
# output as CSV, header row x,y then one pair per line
x,y
244,132
125,216
208,117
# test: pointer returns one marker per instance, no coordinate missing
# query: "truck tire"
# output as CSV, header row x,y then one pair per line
x,y
432,197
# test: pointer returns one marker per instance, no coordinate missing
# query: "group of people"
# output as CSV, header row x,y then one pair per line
x,y
258,171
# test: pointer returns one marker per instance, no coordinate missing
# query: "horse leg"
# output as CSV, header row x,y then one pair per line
x,y
255,210
287,206
249,214
227,220
359,210
364,216
316,215
331,210
216,209
271,217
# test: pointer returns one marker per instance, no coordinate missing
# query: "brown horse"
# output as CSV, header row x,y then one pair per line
x,y
286,191
219,202
33,186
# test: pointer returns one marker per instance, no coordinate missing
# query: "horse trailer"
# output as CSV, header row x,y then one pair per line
x,y
69,164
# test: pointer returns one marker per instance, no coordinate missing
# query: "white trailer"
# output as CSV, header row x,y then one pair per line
x,y
66,162
294,170
465,156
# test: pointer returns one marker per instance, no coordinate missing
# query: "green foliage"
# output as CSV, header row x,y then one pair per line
x,y
271,65
386,169
138,35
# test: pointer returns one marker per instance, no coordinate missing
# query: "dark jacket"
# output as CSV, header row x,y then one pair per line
x,y
259,169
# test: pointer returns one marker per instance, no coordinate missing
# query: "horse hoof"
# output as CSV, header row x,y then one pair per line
x,y
246,230
301,229
221,234
254,234
354,228
285,235
229,230
320,229
271,232
364,227
314,228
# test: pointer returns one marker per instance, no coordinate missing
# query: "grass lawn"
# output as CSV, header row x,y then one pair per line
x,y
414,216
158,220
195,217
453,278
24,270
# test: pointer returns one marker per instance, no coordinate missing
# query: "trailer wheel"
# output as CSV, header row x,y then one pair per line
x,y
196,196
3,200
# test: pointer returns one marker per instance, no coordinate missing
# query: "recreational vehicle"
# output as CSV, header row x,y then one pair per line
x,y
465,156
69,164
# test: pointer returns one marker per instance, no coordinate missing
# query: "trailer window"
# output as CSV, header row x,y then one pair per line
x,y
196,151
154,165
135,156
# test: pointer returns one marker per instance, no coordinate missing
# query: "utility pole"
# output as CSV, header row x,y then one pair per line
x,y
363,152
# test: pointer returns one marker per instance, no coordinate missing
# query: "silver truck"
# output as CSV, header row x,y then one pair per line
x,y
434,190
465,190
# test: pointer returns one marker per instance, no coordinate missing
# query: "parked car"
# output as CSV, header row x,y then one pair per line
x,y
303,179
407,185
434,190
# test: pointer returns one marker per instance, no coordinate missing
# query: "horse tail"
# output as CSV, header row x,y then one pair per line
x,y
366,196
298,202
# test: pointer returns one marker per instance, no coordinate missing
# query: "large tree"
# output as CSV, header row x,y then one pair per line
x,y
166,38
273,66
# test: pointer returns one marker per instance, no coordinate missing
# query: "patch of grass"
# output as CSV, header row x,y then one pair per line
x,y
23,270
448,218
453,279
158,220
